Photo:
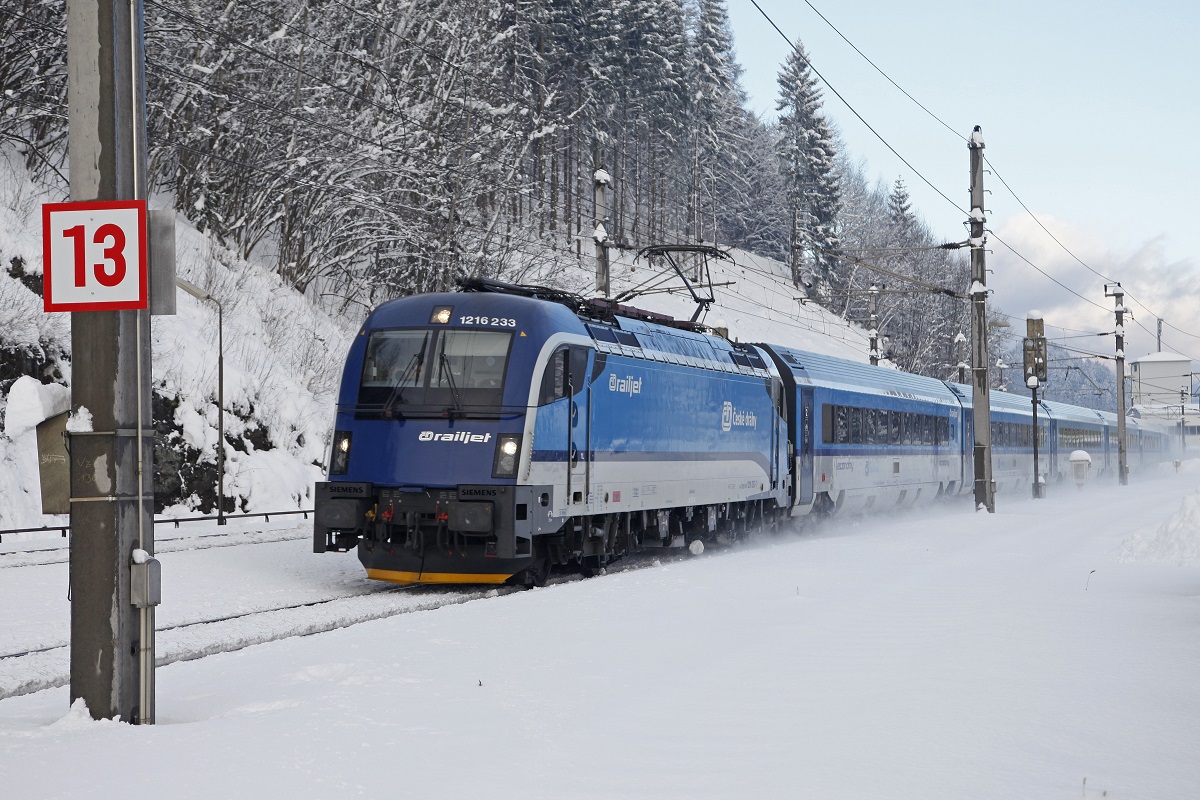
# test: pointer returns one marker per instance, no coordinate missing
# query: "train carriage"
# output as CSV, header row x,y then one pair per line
x,y
868,437
1073,429
1012,438
1147,443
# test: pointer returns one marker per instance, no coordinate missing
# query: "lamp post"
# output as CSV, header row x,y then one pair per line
x,y
1183,393
198,293
1001,366
959,342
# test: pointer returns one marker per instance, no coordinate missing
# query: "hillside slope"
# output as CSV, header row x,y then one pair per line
x,y
283,357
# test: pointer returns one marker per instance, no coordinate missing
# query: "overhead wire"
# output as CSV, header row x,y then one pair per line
x,y
995,171
853,110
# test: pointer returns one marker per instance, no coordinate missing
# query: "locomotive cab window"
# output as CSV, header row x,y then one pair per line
x,y
395,360
422,372
563,375
470,359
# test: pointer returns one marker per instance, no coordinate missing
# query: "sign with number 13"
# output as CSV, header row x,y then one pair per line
x,y
94,255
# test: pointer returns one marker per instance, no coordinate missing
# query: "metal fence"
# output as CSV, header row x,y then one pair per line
x,y
62,529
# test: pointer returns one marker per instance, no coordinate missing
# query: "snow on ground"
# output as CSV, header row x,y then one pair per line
x,y
934,654
1048,650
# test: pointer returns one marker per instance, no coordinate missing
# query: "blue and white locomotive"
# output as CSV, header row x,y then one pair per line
x,y
491,435
485,436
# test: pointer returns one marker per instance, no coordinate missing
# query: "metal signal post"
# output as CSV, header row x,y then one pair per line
x,y
1115,291
1034,350
985,490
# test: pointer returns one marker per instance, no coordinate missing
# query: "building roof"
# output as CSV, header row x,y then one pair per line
x,y
1159,357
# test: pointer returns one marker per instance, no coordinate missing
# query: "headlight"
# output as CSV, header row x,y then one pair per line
x,y
339,460
440,315
508,446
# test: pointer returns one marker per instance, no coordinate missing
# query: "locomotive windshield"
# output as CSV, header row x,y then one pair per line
x,y
431,372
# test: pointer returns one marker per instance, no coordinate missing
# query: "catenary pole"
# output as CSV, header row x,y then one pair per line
x,y
600,181
985,492
873,330
1115,291
112,656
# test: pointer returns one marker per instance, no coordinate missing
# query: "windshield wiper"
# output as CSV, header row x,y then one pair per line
x,y
444,366
397,395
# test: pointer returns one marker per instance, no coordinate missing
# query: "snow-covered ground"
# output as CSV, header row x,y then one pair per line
x,y
1046,651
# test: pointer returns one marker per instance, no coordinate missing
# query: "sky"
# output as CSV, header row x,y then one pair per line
x,y
1086,109
1047,650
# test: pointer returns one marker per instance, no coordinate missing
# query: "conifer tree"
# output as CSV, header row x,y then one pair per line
x,y
715,109
808,163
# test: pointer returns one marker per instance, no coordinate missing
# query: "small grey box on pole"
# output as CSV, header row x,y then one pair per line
x,y
985,490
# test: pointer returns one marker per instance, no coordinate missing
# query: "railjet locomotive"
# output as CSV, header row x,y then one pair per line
x,y
493,434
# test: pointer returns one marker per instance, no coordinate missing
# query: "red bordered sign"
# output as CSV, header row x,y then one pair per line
x,y
94,255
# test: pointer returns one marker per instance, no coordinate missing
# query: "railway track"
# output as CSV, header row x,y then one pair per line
x,y
47,665
60,554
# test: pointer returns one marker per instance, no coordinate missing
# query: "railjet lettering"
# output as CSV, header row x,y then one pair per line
x,y
732,417
628,385
466,437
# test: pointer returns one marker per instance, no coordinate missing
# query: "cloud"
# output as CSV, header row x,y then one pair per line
x,y
1154,286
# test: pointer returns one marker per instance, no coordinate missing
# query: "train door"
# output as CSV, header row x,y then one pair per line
x,y
579,429
1052,449
805,445
967,449
565,381
953,442
776,428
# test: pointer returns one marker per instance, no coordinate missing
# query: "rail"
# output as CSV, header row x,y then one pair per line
x,y
266,515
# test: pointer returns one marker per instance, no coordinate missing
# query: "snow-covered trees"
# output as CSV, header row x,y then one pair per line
x,y
33,82
370,148
352,145
808,162
715,113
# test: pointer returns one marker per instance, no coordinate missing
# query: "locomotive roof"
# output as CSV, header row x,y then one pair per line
x,y
415,309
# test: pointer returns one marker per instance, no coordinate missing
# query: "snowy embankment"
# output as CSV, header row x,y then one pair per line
x,y
283,356
282,362
940,654
1175,540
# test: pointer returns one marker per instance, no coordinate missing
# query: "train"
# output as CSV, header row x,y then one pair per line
x,y
495,434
